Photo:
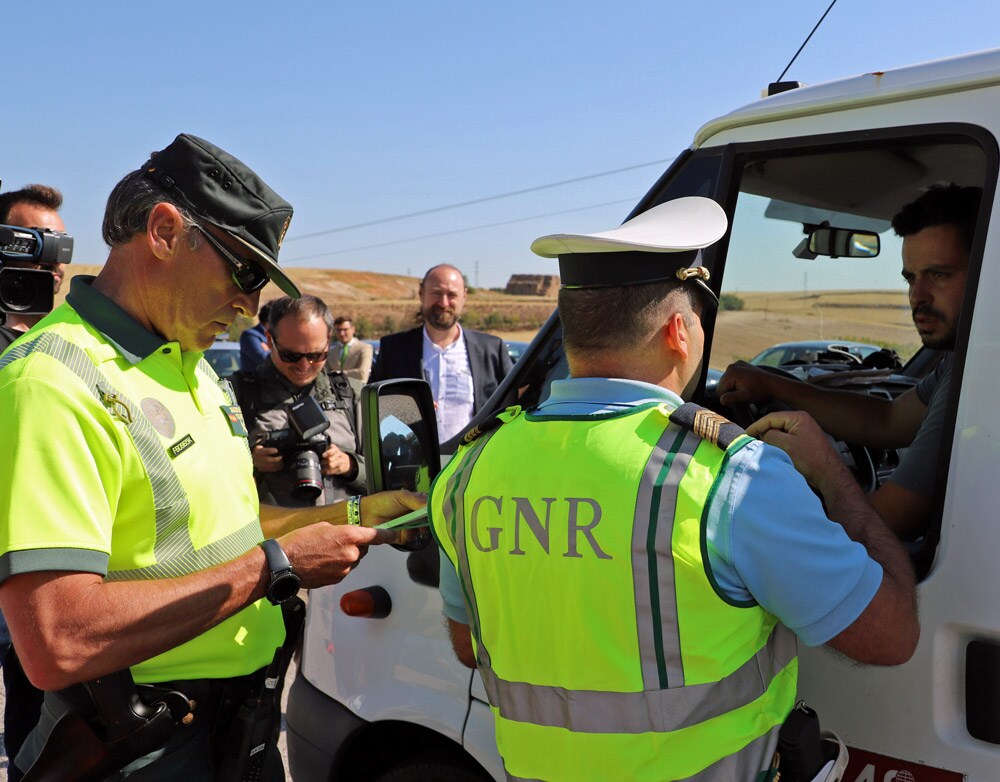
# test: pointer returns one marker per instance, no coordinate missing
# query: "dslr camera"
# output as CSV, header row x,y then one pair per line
x,y
301,445
29,291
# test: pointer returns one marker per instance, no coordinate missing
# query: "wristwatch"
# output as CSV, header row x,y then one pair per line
x,y
284,584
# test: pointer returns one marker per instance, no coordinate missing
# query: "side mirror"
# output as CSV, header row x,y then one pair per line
x,y
844,243
400,435
401,449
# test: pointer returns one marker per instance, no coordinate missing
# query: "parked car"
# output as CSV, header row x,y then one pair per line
x,y
814,352
516,349
224,356
383,697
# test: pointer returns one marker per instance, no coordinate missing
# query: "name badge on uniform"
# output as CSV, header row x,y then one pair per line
x,y
180,446
235,417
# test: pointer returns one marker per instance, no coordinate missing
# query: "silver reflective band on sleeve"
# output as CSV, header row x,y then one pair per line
x,y
173,549
651,711
652,575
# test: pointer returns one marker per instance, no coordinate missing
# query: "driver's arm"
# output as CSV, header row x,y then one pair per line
x,y
905,512
846,415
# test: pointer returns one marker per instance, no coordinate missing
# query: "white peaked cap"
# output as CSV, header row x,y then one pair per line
x,y
688,223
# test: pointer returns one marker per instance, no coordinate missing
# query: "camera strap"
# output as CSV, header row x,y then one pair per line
x,y
345,393
248,390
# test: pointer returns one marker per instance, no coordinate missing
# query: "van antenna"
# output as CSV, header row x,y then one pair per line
x,y
803,46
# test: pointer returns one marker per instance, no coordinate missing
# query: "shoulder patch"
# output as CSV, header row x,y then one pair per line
x,y
707,424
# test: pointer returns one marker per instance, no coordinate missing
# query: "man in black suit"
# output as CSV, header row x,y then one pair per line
x,y
463,367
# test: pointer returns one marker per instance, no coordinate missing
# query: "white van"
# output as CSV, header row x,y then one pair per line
x,y
385,699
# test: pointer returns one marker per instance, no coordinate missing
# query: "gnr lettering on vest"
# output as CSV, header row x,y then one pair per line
x,y
573,517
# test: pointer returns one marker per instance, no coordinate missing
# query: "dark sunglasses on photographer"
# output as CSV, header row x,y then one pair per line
x,y
291,357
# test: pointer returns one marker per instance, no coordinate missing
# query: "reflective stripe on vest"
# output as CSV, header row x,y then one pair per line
x,y
662,711
709,680
454,515
739,767
173,549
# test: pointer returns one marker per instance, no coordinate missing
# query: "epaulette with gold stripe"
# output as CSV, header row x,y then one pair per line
x,y
707,424
478,431
490,424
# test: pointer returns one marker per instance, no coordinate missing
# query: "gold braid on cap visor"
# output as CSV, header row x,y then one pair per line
x,y
700,272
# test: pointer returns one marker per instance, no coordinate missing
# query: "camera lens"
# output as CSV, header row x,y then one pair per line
x,y
25,290
17,293
307,478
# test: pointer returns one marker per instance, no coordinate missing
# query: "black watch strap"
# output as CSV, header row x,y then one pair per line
x,y
284,583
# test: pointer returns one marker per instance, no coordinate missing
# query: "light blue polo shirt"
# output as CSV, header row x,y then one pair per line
x,y
769,539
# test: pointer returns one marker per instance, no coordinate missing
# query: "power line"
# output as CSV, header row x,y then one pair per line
x,y
474,201
286,261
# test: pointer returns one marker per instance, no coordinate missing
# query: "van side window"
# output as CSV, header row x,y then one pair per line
x,y
813,287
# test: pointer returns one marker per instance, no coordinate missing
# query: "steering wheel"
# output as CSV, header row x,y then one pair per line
x,y
858,458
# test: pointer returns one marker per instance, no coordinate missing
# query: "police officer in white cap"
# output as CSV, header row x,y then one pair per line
x,y
629,572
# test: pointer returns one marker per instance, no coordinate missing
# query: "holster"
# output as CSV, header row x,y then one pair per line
x,y
805,752
256,724
106,727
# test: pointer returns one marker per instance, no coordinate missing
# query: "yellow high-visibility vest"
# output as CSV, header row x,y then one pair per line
x,y
607,650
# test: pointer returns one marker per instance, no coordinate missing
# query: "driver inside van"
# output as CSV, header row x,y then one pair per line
x,y
937,231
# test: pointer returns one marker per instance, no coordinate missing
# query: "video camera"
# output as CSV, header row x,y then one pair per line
x,y
30,291
302,445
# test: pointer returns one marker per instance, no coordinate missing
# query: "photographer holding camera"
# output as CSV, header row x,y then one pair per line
x,y
302,417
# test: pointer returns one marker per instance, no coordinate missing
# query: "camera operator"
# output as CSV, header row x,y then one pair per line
x,y
293,470
33,206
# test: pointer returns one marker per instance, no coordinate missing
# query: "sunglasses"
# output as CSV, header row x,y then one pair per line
x,y
290,357
248,277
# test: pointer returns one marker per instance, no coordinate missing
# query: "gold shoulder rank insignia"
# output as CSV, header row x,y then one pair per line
x,y
707,424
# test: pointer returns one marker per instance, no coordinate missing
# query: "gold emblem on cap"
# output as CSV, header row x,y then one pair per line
x,y
283,230
694,271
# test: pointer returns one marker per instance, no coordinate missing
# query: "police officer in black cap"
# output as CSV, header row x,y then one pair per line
x,y
133,540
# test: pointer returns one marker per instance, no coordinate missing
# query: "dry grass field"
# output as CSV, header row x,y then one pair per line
x,y
878,317
381,303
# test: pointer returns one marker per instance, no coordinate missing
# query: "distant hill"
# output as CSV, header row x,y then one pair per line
x,y
331,285
383,303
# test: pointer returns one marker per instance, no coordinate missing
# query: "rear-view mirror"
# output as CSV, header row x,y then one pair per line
x,y
399,435
401,450
844,243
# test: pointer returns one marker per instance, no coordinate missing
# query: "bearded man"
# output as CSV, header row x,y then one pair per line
x,y
464,367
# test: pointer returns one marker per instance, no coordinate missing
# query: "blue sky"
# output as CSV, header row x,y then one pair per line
x,y
358,112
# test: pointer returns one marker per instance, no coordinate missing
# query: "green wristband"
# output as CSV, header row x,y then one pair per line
x,y
354,510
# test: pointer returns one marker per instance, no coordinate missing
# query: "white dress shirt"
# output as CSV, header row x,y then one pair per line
x,y
447,371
